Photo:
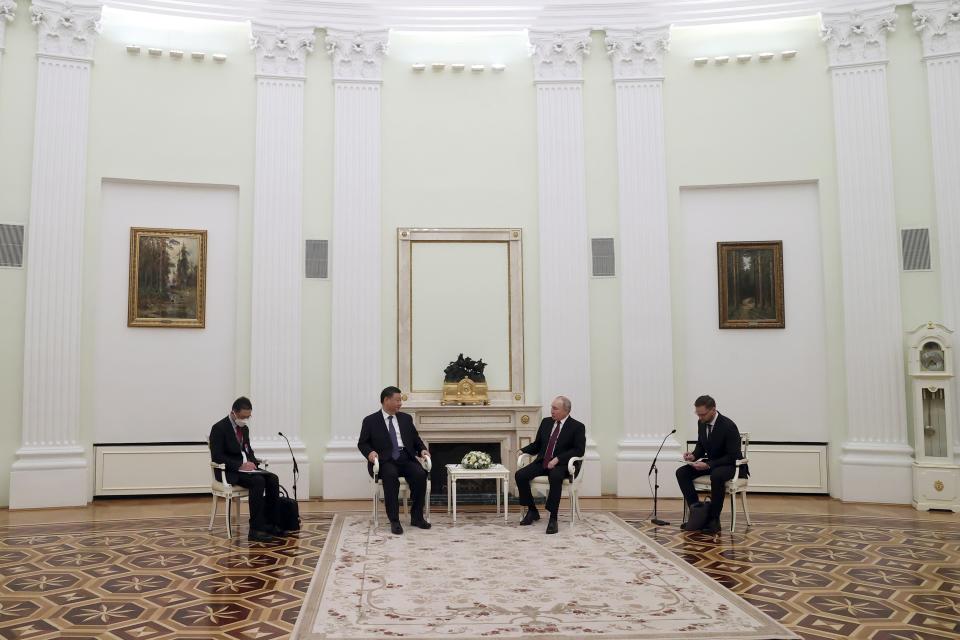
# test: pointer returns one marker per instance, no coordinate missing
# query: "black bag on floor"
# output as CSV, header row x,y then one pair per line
x,y
288,512
698,516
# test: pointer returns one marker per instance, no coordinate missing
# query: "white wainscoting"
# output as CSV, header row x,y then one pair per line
x,y
143,469
787,467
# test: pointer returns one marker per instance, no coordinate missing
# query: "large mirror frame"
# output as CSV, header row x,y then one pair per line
x,y
406,238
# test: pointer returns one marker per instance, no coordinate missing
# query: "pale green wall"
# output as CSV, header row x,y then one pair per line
x,y
459,150
600,148
18,77
167,120
749,123
317,216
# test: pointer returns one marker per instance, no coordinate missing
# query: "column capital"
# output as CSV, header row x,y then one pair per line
x,y
66,29
357,55
8,11
938,23
558,54
857,37
281,50
637,54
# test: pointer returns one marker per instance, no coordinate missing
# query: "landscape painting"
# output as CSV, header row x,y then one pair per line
x,y
167,278
750,278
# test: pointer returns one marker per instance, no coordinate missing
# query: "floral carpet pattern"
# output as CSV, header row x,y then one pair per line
x,y
486,578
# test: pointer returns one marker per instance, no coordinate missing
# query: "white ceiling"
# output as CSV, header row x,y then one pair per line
x,y
495,15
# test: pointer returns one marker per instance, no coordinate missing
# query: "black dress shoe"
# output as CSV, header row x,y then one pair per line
x,y
396,528
712,526
530,517
552,526
423,524
259,536
276,531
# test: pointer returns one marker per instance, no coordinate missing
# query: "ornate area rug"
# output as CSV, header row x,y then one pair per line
x,y
483,577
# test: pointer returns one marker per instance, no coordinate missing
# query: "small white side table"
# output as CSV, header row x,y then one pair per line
x,y
497,472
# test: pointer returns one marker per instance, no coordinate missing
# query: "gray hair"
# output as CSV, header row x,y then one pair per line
x,y
565,402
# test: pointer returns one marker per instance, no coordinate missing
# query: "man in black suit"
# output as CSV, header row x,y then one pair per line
x,y
391,436
718,443
559,438
230,445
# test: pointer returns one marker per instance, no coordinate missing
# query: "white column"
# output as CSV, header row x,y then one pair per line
x,y
275,332
875,463
648,403
355,362
564,234
51,467
8,11
938,24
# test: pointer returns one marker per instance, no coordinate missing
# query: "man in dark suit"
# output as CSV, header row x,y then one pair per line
x,y
230,445
391,436
718,443
559,438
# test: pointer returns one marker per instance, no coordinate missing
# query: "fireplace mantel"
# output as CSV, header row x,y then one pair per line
x,y
513,426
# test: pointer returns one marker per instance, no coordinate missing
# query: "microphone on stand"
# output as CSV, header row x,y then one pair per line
x,y
656,483
296,470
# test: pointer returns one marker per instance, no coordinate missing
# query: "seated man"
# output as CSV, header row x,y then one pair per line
x,y
230,445
391,436
559,438
718,443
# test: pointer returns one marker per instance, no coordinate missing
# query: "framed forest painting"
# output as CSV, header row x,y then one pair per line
x,y
750,276
168,272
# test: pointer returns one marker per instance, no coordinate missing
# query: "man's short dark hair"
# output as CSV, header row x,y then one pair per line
x,y
705,401
388,392
242,404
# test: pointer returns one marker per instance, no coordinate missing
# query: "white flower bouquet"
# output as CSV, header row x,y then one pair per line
x,y
476,460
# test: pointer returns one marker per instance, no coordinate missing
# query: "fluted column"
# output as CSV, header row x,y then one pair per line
x,y
876,458
637,58
356,265
275,331
51,467
8,11
564,238
938,24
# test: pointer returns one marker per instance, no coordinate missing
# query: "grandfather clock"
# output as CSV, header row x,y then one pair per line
x,y
936,474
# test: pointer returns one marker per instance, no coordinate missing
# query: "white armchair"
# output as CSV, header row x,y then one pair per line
x,y
734,487
376,485
227,491
571,488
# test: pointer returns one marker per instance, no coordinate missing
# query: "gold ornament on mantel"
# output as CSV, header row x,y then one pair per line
x,y
464,383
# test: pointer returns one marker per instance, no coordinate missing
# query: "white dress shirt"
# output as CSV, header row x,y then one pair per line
x,y
396,425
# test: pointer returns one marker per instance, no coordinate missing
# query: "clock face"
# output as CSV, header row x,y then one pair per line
x,y
931,358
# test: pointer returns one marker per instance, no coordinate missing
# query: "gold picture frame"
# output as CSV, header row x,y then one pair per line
x,y
750,278
168,278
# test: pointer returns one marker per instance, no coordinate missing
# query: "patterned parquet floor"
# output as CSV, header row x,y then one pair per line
x,y
825,576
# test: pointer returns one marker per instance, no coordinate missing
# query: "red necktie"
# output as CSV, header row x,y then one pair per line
x,y
240,436
551,445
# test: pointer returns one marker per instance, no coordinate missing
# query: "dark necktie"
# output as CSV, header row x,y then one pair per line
x,y
709,430
394,438
240,436
551,444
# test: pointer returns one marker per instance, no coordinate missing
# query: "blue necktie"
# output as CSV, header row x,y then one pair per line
x,y
393,438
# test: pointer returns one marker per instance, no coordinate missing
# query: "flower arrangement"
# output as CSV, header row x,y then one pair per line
x,y
476,460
